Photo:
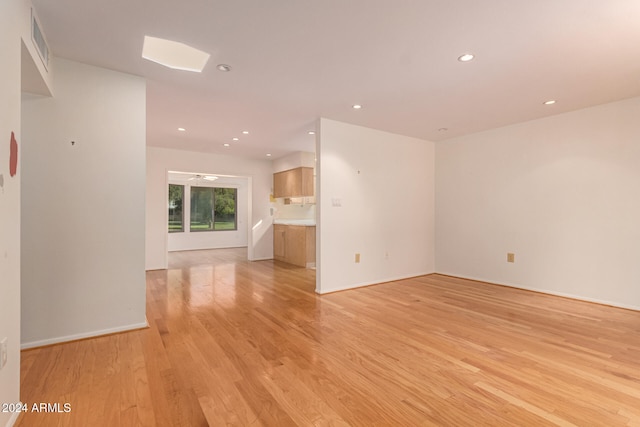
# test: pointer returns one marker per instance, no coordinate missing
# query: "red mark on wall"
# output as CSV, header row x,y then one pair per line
x,y
13,156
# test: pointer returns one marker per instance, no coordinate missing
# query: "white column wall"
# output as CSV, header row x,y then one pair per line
x,y
10,36
83,206
376,198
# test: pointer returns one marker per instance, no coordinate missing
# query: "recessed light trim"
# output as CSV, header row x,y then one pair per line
x,y
235,139
182,129
443,129
224,68
174,55
549,102
466,57
356,106
226,144
245,132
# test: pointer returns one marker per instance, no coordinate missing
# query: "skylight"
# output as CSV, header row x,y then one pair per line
x,y
175,55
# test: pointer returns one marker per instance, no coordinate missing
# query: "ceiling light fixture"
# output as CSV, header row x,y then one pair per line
x,y
174,55
199,177
246,132
225,144
443,129
236,139
466,57
357,106
550,102
224,68
268,154
181,129
311,132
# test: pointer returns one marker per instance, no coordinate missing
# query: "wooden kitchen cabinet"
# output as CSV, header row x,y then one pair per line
x,y
295,244
296,182
278,242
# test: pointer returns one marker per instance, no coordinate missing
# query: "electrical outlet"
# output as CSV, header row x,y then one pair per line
x,y
511,257
357,258
3,352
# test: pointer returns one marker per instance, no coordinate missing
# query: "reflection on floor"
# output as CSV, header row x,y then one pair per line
x,y
250,343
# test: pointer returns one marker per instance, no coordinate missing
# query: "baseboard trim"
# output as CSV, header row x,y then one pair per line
x,y
366,284
546,292
84,335
206,248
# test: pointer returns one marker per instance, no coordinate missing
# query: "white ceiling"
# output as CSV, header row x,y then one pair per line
x,y
296,60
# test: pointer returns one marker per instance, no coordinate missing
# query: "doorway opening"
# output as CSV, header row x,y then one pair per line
x,y
208,211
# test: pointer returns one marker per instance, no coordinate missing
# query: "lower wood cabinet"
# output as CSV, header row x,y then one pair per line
x,y
295,244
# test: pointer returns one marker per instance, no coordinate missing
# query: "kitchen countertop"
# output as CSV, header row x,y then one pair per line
x,y
305,222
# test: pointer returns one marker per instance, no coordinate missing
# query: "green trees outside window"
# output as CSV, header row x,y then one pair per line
x,y
176,216
213,209
225,209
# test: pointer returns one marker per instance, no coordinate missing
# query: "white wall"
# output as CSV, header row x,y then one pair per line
x,y
294,160
160,161
10,33
187,240
387,207
294,211
83,206
562,193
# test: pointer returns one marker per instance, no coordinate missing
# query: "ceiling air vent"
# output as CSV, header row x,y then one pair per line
x,y
39,41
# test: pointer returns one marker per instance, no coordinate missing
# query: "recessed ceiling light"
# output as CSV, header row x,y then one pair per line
x,y
246,132
443,129
311,132
209,178
181,129
466,57
236,139
224,67
268,154
225,144
174,55
550,102
357,106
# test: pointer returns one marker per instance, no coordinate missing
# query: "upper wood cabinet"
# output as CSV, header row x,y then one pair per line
x,y
296,182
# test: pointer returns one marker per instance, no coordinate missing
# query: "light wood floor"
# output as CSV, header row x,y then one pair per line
x,y
239,343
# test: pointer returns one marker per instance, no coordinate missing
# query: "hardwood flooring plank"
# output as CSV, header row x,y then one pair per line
x,y
233,342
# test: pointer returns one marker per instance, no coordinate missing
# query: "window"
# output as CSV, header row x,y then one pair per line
x,y
176,216
225,209
213,209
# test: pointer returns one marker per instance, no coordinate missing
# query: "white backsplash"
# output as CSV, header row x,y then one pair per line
x,y
282,211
